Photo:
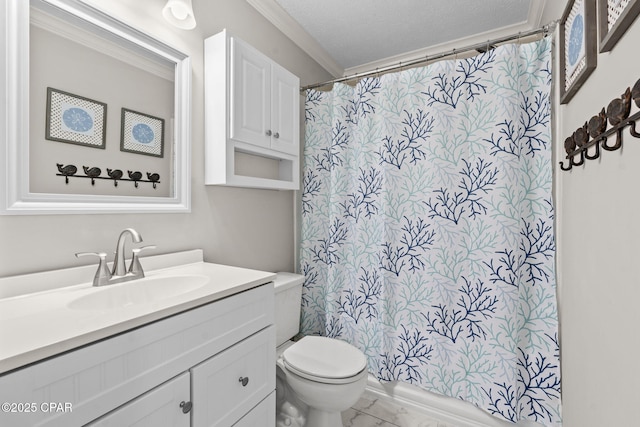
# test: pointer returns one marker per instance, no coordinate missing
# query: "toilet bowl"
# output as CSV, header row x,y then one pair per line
x,y
327,374
317,377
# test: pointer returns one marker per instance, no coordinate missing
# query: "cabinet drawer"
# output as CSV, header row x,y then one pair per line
x,y
102,376
220,397
263,415
159,407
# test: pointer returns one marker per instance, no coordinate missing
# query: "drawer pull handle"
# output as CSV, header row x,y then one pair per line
x,y
268,132
276,135
186,406
244,381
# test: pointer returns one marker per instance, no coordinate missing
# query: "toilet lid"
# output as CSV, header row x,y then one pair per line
x,y
323,357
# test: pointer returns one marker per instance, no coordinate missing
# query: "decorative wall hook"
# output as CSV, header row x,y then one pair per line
x,y
92,173
581,162
597,124
592,156
594,132
114,175
566,168
619,109
632,130
66,171
135,177
154,178
573,162
618,143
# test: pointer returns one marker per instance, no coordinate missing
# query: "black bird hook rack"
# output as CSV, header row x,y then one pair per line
x,y
587,141
115,175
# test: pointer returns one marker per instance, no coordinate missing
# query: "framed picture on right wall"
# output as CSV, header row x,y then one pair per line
x,y
615,17
578,46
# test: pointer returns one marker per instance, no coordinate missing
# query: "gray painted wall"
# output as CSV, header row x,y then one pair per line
x,y
598,275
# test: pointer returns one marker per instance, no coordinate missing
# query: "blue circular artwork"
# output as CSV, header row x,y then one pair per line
x,y
576,38
142,133
77,119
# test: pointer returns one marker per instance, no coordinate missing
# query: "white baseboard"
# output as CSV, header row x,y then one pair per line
x,y
455,412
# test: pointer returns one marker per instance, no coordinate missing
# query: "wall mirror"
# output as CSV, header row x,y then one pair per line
x,y
96,116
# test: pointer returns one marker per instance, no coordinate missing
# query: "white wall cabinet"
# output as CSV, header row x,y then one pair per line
x,y
142,377
263,100
252,106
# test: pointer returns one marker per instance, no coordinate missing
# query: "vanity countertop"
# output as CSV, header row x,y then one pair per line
x,y
42,324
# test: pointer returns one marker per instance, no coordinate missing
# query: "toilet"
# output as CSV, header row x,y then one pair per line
x,y
317,377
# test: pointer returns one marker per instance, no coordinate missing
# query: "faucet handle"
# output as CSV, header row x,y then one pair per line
x,y
98,254
102,274
135,267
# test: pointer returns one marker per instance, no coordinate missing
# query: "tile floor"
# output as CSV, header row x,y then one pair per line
x,y
371,411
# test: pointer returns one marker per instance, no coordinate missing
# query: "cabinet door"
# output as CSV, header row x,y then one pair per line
x,y
229,385
285,107
250,95
159,407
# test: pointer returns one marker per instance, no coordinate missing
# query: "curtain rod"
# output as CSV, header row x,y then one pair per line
x,y
480,47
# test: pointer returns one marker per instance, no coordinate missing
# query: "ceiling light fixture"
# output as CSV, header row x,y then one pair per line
x,y
180,14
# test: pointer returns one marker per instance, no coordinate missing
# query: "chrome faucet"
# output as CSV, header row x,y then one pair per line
x,y
119,268
119,273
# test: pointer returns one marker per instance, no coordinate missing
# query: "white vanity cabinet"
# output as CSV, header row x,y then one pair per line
x,y
252,107
213,365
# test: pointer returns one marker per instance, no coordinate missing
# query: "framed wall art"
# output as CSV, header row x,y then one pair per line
x,y
578,49
75,119
615,17
142,133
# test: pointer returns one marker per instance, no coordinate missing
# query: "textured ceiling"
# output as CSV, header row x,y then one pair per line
x,y
356,32
350,35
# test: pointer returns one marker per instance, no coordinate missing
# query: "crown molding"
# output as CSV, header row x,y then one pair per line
x,y
275,14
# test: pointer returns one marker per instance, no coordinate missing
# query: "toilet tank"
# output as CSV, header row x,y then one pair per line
x,y
288,298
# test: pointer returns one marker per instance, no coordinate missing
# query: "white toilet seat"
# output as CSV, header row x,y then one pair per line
x,y
323,380
325,360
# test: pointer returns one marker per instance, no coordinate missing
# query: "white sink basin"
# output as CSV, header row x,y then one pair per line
x,y
76,313
143,291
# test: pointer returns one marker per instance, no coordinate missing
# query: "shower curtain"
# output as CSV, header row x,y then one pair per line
x,y
427,228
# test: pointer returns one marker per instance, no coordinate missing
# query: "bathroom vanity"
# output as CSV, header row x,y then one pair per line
x,y
200,351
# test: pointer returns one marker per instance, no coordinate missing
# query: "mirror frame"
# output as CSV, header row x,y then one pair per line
x,y
15,197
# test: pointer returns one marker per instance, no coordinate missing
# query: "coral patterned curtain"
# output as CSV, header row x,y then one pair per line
x,y
427,228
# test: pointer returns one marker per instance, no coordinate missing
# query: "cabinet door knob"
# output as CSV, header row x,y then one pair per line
x,y
244,381
186,406
268,132
276,135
